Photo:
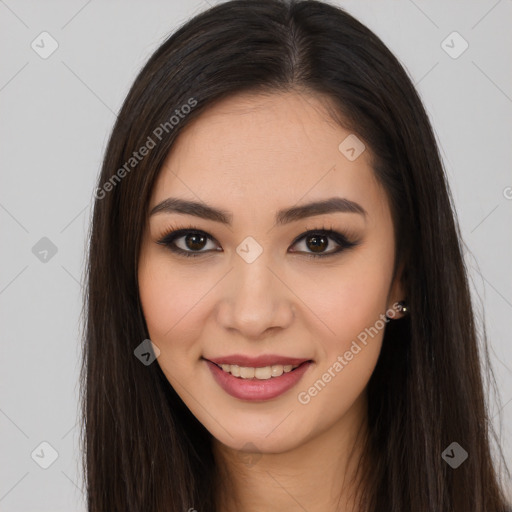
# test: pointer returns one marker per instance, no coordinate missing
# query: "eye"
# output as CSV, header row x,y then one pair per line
x,y
318,240
192,242
187,241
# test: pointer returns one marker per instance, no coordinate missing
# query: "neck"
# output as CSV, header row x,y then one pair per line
x,y
320,474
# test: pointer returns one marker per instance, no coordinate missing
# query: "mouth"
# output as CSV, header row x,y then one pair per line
x,y
257,382
259,372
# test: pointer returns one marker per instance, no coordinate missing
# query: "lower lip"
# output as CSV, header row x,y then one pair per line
x,y
257,389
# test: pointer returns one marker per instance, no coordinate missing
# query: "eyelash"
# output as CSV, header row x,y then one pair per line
x,y
175,232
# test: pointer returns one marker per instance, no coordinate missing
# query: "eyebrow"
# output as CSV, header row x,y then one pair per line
x,y
285,216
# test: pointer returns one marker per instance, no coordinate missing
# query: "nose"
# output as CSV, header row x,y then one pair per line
x,y
255,299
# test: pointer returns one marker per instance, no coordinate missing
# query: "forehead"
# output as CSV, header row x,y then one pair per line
x,y
262,152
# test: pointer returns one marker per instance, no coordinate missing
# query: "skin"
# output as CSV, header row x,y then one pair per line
x,y
253,155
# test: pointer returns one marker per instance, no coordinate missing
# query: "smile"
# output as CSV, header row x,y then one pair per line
x,y
257,383
262,373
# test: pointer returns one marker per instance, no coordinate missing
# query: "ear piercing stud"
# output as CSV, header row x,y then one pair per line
x,y
402,307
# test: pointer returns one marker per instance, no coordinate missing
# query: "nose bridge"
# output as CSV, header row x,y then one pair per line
x,y
253,278
257,300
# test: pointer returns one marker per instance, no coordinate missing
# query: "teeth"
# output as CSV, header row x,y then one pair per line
x,y
263,373
246,373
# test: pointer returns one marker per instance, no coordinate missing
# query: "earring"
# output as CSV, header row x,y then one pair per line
x,y
402,307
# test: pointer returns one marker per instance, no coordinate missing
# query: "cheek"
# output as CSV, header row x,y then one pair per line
x,y
354,310
347,299
169,298
171,303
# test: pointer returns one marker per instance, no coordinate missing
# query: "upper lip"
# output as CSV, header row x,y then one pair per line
x,y
257,362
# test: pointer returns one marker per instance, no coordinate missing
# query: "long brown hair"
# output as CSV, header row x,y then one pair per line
x,y
143,449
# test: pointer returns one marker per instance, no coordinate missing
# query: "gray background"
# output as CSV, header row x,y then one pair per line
x,y
56,116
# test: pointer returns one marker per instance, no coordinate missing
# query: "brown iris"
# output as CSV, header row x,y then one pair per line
x,y
319,242
195,241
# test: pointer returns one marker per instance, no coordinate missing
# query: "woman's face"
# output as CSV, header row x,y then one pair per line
x,y
254,290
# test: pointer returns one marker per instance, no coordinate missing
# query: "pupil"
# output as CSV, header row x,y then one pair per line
x,y
195,244
320,242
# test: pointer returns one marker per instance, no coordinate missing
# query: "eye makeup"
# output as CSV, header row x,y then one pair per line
x,y
189,232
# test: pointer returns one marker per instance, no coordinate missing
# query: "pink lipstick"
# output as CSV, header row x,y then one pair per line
x,y
286,371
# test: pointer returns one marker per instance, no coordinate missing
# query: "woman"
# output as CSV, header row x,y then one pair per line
x,y
278,314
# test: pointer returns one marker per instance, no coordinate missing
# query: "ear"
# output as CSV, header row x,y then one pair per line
x,y
397,292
